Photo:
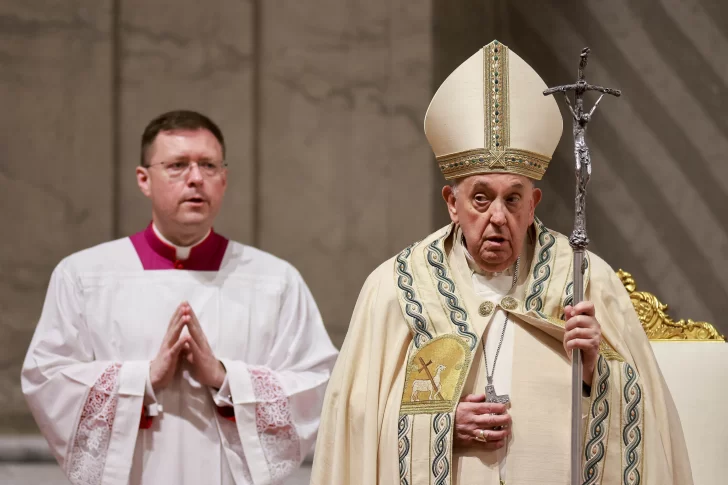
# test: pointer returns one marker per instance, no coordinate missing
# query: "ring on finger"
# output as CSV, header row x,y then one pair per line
x,y
481,436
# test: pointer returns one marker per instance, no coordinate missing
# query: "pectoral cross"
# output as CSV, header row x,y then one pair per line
x,y
491,396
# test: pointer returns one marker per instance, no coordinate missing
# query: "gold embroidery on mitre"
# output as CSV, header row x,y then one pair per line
x,y
480,160
497,134
435,376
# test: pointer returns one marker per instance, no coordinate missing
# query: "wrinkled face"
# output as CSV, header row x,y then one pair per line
x,y
494,212
185,189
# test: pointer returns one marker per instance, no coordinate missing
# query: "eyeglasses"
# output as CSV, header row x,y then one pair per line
x,y
181,168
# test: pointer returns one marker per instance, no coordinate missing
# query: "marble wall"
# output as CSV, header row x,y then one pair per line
x,y
56,161
344,175
187,55
321,103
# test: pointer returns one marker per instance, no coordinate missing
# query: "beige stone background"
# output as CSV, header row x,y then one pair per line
x,y
322,103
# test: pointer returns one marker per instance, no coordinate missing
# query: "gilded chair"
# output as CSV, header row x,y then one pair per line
x,y
693,359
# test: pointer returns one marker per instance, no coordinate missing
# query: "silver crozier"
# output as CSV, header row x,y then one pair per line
x,y
579,239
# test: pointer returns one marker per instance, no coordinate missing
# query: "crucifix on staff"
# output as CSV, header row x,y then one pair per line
x,y
579,239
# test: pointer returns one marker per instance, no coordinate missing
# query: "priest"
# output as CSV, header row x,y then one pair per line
x,y
177,356
455,368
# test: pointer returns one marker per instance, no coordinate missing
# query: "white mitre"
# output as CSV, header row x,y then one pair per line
x,y
490,116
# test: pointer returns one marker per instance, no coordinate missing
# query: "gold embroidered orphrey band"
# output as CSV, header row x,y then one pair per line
x,y
511,160
496,111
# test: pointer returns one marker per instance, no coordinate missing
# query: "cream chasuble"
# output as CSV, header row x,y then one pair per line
x,y
388,420
86,373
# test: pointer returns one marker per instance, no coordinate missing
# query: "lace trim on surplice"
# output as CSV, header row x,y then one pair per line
x,y
274,422
91,441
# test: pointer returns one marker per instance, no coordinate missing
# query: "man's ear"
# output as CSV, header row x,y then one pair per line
x,y
449,195
535,199
143,181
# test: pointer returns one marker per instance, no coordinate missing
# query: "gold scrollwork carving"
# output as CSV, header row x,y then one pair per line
x,y
657,323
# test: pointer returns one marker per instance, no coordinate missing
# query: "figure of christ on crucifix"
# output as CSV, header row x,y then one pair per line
x,y
579,239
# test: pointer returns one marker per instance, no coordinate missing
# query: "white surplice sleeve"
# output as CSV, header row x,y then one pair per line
x,y
88,410
277,403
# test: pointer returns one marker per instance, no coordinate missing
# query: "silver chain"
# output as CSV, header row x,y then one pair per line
x,y
503,333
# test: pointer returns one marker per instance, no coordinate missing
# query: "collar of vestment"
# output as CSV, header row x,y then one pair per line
x,y
474,268
156,254
497,282
183,252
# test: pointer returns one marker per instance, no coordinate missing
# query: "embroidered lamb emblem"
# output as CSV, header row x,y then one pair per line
x,y
431,384
435,375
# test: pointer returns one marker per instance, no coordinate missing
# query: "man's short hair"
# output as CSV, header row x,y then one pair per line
x,y
178,120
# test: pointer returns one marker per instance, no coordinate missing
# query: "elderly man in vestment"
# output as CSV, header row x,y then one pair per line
x,y
456,368
177,356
